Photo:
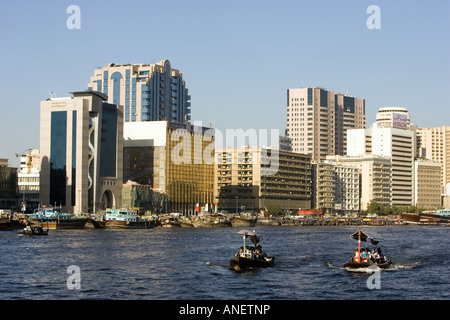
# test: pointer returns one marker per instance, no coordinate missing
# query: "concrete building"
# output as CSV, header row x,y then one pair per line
x,y
323,186
434,144
375,178
28,179
173,158
257,178
335,186
394,140
81,143
8,186
347,189
428,187
318,120
148,92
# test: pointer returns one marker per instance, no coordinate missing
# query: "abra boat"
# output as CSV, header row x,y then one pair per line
x,y
54,218
123,219
33,231
358,261
251,258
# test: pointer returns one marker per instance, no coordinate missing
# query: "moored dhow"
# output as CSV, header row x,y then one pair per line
x,y
428,217
123,219
54,218
243,220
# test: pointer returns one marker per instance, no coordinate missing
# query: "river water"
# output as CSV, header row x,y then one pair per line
x,y
193,264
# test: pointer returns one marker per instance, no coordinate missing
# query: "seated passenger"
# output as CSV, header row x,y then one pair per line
x,y
365,255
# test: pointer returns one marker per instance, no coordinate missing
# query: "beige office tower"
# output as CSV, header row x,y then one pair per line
x,y
391,138
254,179
318,120
81,143
434,144
173,158
428,188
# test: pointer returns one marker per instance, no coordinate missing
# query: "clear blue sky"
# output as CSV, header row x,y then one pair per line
x,y
238,57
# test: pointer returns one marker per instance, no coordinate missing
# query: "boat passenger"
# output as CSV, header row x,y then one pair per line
x,y
258,253
377,257
240,252
355,255
365,255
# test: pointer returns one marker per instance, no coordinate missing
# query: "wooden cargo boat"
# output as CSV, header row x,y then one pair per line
x,y
123,219
243,221
54,218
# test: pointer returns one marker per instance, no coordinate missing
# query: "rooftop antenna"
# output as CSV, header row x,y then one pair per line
x,y
52,94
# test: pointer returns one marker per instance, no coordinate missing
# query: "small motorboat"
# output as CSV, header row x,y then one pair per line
x,y
359,260
249,257
33,231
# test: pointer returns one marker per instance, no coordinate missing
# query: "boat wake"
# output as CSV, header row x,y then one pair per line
x,y
392,267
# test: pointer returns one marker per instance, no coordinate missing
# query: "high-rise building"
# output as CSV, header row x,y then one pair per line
x,y
148,92
434,144
81,144
173,158
390,136
318,120
257,178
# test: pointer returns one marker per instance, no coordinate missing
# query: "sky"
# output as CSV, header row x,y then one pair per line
x,y
238,58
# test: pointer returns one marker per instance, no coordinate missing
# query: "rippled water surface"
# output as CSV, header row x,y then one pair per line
x,y
193,263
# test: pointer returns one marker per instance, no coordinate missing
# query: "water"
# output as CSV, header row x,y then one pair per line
x,y
193,264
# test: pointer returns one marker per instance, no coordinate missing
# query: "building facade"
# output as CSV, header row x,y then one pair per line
x,y
318,120
81,144
428,187
434,144
254,179
173,158
28,180
391,138
8,186
375,177
148,92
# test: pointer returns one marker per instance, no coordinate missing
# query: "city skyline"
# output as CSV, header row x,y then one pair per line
x,y
238,59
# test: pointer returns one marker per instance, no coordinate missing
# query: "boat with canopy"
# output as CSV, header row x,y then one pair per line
x,y
362,258
251,257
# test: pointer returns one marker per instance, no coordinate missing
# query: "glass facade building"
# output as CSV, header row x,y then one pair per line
x,y
81,152
149,92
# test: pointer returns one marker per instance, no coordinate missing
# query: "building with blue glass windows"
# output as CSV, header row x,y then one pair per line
x,y
148,92
81,150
